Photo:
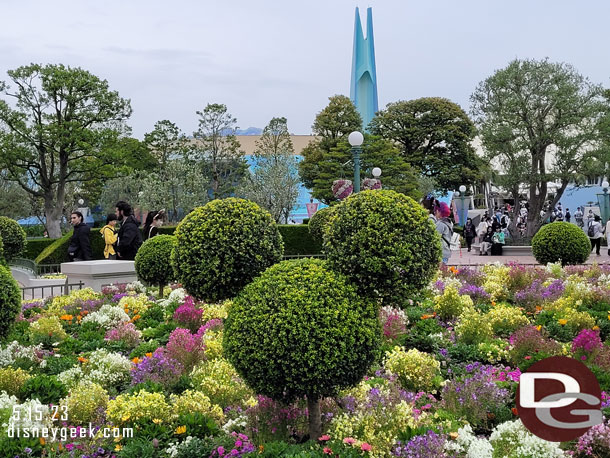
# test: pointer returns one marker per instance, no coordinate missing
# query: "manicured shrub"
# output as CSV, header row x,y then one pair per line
x,y
416,370
384,242
10,300
297,240
153,261
35,246
2,259
561,242
318,222
300,329
222,246
13,238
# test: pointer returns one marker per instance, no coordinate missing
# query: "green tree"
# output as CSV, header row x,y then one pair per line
x,y
434,136
165,143
60,130
15,202
274,182
217,150
542,114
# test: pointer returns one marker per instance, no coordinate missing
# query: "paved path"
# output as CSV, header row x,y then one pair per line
x,y
464,258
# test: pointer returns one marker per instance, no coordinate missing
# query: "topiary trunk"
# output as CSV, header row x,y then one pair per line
x,y
315,418
161,288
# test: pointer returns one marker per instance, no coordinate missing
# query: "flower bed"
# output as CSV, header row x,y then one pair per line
x,y
442,386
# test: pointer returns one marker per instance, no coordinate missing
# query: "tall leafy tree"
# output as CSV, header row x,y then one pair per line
x,y
62,127
274,181
541,122
166,142
434,135
217,150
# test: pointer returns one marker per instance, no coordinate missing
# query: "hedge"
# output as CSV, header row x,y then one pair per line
x,y
297,241
35,246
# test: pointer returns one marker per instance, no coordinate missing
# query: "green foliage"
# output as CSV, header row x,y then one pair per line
x,y
222,246
561,242
434,136
198,424
46,388
12,379
153,264
416,370
81,119
35,246
318,223
2,259
535,109
57,251
473,327
10,300
450,304
300,329
384,242
298,240
13,238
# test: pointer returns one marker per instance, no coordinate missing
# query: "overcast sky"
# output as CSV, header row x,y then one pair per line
x,y
285,58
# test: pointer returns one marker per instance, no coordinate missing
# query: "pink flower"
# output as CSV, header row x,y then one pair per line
x,y
349,440
325,437
528,357
366,447
583,358
327,451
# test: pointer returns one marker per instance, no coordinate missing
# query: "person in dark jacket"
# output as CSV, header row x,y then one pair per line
x,y
470,233
80,243
130,237
154,220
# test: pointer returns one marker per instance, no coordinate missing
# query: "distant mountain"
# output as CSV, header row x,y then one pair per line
x,y
249,131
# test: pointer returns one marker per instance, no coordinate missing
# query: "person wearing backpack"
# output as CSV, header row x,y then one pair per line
x,y
445,229
595,233
110,237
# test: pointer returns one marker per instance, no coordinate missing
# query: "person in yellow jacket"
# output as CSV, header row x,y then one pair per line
x,y
110,236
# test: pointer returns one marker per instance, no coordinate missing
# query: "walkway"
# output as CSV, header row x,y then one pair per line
x,y
464,258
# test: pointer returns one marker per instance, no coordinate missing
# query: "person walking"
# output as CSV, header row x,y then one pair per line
x,y
129,237
595,233
154,220
579,217
469,233
109,235
80,243
445,229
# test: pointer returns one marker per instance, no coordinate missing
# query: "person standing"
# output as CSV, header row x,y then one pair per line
x,y
469,233
595,233
110,237
482,228
568,215
154,220
129,237
579,216
445,229
80,243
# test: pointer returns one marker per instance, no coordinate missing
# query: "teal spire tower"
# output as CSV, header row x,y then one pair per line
x,y
363,91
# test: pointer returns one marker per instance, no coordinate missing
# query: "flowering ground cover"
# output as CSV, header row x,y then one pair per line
x,y
443,384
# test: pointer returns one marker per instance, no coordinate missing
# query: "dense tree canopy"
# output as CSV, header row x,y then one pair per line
x,y
540,121
59,125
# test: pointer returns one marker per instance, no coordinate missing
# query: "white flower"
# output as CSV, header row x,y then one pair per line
x,y
108,316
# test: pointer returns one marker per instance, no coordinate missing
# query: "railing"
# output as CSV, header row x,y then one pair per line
x,y
36,269
64,289
300,256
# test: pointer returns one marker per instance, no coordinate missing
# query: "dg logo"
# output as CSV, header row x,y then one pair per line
x,y
559,399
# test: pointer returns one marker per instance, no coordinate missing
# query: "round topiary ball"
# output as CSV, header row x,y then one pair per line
x,y
223,245
300,329
384,242
318,222
13,237
2,259
153,261
561,242
10,300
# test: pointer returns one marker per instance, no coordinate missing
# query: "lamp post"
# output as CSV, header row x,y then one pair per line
x,y
462,205
604,203
355,139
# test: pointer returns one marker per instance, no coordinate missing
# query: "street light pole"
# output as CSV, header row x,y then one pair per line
x,y
355,140
462,205
604,203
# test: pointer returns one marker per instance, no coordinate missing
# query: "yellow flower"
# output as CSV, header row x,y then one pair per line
x,y
125,418
118,447
180,429
539,327
563,321
136,360
453,435
149,355
157,421
595,328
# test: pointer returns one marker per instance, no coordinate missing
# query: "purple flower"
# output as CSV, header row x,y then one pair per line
x,y
159,367
430,445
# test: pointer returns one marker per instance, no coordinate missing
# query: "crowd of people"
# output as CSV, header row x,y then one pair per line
x,y
119,245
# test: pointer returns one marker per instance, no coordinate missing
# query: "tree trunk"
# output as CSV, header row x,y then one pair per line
x,y
161,288
315,418
53,215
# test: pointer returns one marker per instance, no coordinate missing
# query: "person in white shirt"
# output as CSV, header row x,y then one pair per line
x,y
482,229
595,231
